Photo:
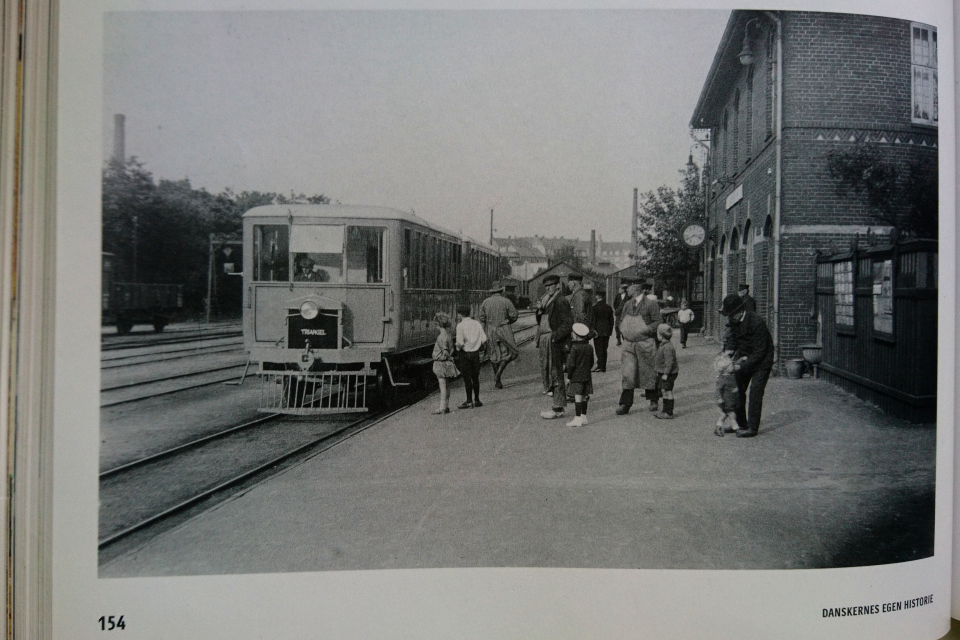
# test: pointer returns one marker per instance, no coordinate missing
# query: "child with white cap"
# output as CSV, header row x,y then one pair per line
x,y
578,366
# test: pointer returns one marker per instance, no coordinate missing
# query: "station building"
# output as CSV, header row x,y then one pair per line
x,y
788,91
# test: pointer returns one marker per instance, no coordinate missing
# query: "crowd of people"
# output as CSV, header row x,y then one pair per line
x,y
568,323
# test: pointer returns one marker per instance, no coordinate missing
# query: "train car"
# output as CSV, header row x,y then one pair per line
x,y
126,304
338,301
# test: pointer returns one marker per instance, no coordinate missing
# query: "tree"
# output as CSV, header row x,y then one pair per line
x,y
662,216
906,200
568,253
159,233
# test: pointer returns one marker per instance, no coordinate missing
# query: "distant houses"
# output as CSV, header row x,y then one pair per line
x,y
531,255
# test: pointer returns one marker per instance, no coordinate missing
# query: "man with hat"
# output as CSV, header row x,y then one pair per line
x,y
559,320
636,359
622,297
749,343
307,272
497,313
602,316
748,302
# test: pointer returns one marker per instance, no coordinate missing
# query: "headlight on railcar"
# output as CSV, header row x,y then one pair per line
x,y
309,310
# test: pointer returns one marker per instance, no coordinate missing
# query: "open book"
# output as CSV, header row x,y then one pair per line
x,y
254,256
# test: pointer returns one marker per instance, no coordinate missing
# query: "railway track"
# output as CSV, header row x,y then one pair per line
x,y
142,497
116,342
113,395
174,484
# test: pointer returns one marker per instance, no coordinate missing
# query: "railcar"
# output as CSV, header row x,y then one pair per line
x,y
125,304
338,300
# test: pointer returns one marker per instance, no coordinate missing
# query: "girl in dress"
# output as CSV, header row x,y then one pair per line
x,y
443,365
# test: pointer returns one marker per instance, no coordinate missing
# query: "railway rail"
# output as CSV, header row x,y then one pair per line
x,y
172,483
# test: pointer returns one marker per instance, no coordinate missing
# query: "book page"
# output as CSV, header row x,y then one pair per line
x,y
293,209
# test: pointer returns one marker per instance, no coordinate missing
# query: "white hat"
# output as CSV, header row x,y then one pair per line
x,y
581,329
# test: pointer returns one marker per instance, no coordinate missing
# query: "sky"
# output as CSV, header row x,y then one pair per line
x,y
550,118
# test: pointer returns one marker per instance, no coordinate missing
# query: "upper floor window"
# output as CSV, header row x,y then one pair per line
x,y
923,56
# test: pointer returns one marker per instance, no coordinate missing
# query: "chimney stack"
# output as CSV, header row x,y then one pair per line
x,y
119,142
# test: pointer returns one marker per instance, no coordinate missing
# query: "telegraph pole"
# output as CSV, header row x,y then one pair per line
x,y
491,227
633,228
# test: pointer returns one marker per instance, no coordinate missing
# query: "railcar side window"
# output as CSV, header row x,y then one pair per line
x,y
317,253
365,254
271,249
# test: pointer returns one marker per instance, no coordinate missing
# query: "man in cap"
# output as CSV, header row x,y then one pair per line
x,y
748,302
497,313
603,324
749,343
622,297
636,359
559,320
306,271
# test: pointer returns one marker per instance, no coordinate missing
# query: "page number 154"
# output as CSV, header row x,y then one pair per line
x,y
109,623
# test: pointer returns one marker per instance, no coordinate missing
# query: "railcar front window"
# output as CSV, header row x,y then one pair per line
x,y
364,254
317,253
271,251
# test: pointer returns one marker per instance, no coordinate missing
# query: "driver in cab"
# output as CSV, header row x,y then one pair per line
x,y
307,273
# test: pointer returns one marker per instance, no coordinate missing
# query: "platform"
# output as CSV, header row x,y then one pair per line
x,y
829,481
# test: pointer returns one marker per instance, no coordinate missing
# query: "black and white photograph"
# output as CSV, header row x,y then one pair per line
x,y
540,289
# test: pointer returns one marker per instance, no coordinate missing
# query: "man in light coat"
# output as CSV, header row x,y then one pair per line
x,y
497,313
636,358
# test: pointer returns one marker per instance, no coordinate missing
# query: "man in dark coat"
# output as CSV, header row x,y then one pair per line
x,y
603,328
748,302
749,343
560,319
580,299
622,297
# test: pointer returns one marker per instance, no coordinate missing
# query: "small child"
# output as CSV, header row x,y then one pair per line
x,y
443,365
666,368
728,396
578,366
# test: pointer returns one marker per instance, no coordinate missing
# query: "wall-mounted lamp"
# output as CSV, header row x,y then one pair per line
x,y
746,56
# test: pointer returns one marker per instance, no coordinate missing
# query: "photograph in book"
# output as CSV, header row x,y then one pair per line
x,y
614,289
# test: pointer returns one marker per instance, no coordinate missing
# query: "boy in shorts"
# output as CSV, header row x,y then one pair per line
x,y
578,365
728,396
666,368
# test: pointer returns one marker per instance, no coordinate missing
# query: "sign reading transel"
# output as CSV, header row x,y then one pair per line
x,y
320,331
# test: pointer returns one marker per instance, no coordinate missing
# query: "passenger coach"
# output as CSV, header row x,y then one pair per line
x,y
339,300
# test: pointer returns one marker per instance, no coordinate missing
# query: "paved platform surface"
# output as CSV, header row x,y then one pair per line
x,y
829,481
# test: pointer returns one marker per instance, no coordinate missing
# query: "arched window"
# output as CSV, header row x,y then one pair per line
x,y
748,253
768,227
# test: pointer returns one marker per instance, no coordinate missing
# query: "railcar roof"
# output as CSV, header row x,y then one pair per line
x,y
342,211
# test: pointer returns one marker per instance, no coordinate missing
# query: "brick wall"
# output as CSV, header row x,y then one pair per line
x,y
846,82
843,68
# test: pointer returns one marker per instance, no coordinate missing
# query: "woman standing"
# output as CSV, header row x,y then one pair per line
x,y
443,365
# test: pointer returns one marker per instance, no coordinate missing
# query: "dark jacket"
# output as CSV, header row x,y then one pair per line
x,y
581,301
749,303
665,361
560,318
618,304
750,339
602,319
579,361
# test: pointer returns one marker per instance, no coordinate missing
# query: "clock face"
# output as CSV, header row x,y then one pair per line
x,y
694,235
